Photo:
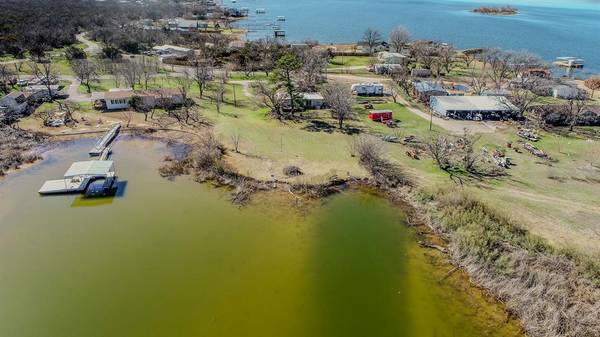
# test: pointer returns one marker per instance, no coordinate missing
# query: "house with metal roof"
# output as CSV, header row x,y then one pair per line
x,y
472,107
423,90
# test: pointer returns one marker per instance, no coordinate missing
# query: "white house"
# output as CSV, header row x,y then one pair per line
x,y
472,107
313,100
184,25
367,89
385,57
565,92
118,100
169,50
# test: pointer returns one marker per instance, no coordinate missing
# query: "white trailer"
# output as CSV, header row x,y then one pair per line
x,y
367,89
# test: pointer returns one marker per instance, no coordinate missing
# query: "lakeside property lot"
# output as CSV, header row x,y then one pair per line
x,y
557,200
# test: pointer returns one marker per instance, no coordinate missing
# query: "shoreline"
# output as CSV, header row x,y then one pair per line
x,y
508,288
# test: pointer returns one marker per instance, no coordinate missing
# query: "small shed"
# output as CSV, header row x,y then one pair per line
x,y
313,100
565,92
420,73
380,115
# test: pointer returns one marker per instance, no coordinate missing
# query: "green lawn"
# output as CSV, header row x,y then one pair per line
x,y
349,61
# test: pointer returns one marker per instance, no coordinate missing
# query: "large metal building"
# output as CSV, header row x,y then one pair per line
x,y
472,107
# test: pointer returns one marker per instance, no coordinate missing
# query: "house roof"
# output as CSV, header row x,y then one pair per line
x,y
91,167
312,96
171,47
122,94
473,103
14,94
427,86
183,23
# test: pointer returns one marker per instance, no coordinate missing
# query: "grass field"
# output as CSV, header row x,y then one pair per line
x,y
349,61
557,200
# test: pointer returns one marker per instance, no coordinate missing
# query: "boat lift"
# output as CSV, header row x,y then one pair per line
x,y
94,178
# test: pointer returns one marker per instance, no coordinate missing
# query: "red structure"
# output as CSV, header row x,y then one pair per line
x,y
380,115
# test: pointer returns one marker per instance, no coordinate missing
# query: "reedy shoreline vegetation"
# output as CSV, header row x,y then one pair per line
x,y
553,293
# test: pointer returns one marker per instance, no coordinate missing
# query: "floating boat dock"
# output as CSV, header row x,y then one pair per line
x,y
105,141
92,177
78,177
569,62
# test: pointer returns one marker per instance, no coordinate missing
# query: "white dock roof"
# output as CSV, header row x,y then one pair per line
x,y
90,168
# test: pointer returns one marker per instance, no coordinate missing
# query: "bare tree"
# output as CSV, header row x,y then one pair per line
x,y
425,53
6,77
220,90
469,157
236,138
395,90
404,80
127,116
446,58
47,74
310,75
439,148
399,38
339,99
131,73
184,83
86,72
478,81
470,56
593,84
500,66
202,73
371,38
575,107
111,67
148,67
271,97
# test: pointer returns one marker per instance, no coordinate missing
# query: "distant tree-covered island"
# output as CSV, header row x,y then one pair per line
x,y
496,10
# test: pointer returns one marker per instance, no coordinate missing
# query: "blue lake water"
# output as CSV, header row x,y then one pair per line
x,y
549,28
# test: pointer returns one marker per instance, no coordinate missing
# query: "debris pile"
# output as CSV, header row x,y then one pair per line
x,y
414,154
292,171
530,135
498,158
535,151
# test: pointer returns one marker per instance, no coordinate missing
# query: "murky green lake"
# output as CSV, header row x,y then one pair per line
x,y
176,259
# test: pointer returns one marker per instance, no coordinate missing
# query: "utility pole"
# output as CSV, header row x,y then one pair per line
x,y
234,97
430,119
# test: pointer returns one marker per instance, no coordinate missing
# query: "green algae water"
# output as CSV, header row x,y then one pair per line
x,y
176,259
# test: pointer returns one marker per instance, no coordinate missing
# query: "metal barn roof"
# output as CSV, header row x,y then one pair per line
x,y
473,103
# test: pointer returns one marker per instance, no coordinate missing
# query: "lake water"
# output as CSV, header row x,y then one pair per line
x,y
176,259
549,29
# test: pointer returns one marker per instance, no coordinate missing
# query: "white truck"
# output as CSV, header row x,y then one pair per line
x,y
367,89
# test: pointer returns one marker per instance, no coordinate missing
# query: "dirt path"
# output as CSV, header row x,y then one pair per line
x,y
245,87
92,47
453,126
